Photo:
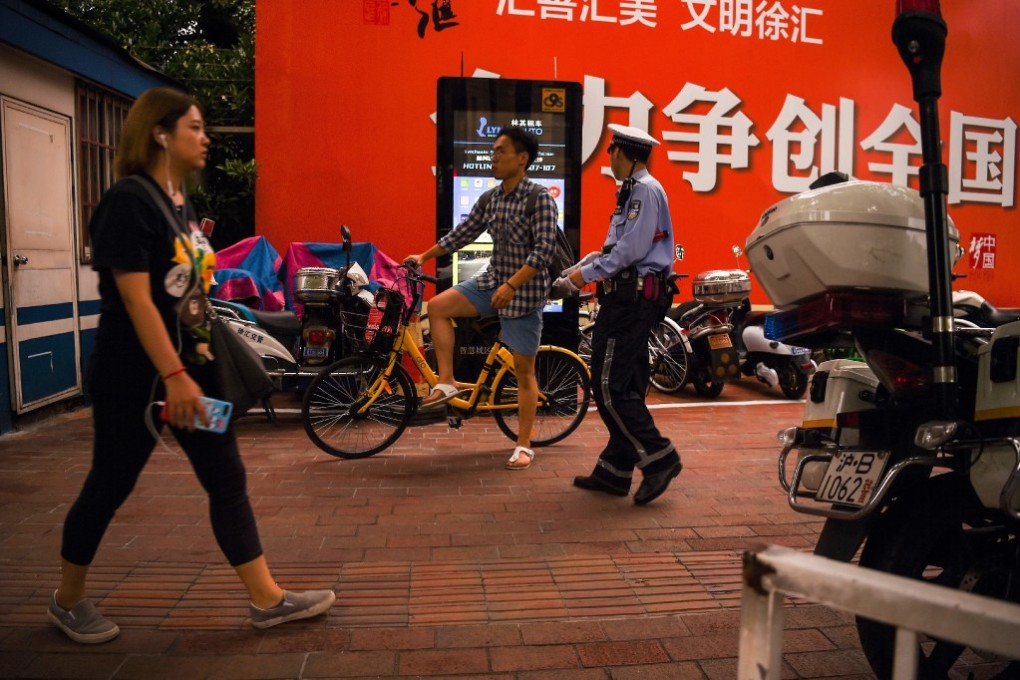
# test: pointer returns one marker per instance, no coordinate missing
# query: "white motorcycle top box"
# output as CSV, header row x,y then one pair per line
x,y
848,236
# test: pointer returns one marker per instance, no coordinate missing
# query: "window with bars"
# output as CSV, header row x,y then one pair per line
x,y
100,119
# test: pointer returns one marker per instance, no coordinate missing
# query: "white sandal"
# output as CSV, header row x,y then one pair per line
x,y
446,392
510,464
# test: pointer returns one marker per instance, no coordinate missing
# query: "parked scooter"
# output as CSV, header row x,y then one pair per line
x,y
774,363
695,344
294,346
717,337
932,492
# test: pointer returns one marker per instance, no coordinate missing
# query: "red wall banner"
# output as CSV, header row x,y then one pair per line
x,y
751,99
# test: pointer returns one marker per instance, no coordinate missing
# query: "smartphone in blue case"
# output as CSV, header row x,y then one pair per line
x,y
218,413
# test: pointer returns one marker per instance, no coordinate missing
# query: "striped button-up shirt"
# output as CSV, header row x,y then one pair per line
x,y
516,240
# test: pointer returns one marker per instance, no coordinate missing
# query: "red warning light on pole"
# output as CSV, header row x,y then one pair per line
x,y
931,6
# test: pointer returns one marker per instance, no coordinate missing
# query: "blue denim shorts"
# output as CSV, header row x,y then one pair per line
x,y
522,334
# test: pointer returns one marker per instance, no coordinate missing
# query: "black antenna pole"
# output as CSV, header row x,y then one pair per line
x,y
919,34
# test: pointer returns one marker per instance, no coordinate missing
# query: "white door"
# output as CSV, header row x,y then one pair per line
x,y
42,309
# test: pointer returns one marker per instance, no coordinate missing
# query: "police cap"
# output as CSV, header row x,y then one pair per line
x,y
632,136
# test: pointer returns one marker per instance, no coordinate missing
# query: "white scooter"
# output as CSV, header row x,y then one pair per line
x,y
774,363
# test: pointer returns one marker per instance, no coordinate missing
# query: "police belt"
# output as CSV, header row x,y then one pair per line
x,y
630,283
633,284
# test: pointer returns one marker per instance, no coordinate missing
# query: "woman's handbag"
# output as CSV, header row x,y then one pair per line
x,y
240,376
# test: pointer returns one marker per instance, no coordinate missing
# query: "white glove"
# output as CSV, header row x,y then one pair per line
x,y
565,282
587,259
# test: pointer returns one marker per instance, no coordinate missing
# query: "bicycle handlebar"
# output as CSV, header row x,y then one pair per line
x,y
415,272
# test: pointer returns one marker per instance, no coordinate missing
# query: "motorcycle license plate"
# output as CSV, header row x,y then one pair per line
x,y
720,341
851,477
315,352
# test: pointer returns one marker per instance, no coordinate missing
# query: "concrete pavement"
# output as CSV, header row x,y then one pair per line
x,y
445,564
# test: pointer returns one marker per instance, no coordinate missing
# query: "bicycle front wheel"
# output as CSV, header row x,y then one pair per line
x,y
562,402
352,411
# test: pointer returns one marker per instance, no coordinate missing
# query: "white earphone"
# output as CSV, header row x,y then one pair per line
x,y
169,185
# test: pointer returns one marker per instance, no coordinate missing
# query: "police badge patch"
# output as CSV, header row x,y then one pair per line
x,y
634,210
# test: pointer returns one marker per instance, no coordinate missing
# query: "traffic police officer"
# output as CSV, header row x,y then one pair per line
x,y
634,294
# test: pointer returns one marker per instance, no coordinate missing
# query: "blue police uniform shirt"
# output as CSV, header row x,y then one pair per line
x,y
641,233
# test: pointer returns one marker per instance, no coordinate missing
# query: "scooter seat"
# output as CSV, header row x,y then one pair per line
x,y
281,323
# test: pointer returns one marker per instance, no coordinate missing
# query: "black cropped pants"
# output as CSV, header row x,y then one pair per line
x,y
122,445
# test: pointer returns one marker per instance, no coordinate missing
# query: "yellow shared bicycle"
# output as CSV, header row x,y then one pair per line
x,y
361,404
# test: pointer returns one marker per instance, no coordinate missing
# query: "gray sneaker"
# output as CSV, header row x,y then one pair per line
x,y
294,606
82,623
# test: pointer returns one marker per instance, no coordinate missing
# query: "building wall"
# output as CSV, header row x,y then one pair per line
x,y
48,87
345,92
35,82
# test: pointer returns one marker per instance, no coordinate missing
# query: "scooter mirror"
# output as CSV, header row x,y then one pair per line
x,y
345,237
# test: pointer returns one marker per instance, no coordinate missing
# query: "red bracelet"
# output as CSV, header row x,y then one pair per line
x,y
171,374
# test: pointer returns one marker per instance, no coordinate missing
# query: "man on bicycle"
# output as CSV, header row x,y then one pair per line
x,y
633,294
514,285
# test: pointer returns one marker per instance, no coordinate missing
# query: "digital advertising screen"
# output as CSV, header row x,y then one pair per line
x,y
471,112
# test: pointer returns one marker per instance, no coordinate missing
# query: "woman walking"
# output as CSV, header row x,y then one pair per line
x,y
153,273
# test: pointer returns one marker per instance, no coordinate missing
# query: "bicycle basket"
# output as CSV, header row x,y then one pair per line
x,y
376,330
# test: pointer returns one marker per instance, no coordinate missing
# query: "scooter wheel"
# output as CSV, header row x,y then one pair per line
x,y
709,389
792,381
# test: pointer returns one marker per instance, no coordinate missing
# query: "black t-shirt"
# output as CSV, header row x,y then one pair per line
x,y
131,233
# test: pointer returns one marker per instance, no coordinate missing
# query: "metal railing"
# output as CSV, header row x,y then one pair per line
x,y
913,607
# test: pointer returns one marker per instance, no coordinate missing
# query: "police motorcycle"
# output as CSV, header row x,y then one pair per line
x,y
929,497
914,452
293,347
717,337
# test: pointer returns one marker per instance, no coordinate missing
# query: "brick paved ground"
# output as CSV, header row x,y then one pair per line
x,y
445,564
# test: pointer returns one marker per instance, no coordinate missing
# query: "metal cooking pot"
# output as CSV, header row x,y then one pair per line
x,y
721,286
316,284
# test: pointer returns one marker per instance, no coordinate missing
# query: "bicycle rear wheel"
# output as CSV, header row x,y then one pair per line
x,y
334,412
667,358
563,401
584,333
